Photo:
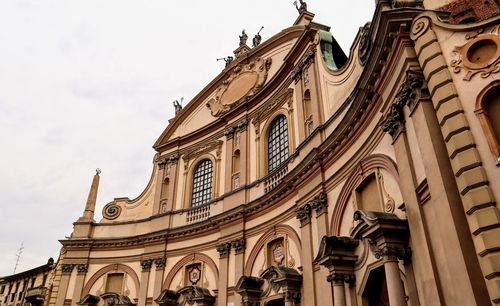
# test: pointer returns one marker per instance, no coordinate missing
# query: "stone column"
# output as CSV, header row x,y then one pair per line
x,y
239,261
160,270
81,271
304,216
337,280
66,270
395,287
143,290
337,255
224,249
477,198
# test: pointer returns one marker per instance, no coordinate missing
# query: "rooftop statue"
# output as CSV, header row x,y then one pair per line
x,y
303,6
178,106
257,38
243,38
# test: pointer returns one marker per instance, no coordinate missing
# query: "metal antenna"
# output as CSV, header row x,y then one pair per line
x,y
18,256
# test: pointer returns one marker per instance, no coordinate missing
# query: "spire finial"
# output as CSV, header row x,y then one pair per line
x,y
88,213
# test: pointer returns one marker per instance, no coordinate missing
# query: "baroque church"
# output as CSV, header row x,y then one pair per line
x,y
304,176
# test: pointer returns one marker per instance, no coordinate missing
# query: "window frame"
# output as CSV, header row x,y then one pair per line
x,y
202,192
480,110
272,122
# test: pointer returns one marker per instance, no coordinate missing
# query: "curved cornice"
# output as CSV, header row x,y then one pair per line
x,y
304,36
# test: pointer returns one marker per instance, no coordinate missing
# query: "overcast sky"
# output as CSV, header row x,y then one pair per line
x,y
87,84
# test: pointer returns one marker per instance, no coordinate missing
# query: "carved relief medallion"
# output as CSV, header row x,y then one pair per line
x,y
194,275
244,81
480,56
279,254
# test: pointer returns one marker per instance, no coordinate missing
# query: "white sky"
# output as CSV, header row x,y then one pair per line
x,y
87,84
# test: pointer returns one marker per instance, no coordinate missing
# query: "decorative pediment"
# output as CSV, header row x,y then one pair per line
x,y
244,81
282,278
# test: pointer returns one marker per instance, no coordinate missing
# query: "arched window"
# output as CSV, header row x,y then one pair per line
x,y
277,142
202,183
488,111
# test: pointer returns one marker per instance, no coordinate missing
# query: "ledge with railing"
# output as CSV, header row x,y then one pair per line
x,y
198,213
275,177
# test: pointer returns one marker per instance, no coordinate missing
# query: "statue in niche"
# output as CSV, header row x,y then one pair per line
x,y
243,38
257,38
303,6
178,106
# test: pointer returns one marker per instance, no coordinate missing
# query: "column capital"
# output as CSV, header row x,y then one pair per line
x,y
82,268
320,204
224,249
67,268
391,252
304,214
160,263
339,279
238,245
146,264
292,296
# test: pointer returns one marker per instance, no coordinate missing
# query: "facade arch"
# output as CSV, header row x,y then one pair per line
x,y
266,237
367,165
111,268
188,259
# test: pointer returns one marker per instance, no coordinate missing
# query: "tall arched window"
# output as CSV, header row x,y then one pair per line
x,y
277,143
488,111
202,183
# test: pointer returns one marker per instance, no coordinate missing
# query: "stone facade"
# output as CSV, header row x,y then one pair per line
x,y
302,176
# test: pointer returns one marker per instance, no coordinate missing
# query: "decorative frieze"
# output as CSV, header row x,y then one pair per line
x,y
224,249
146,264
304,214
238,245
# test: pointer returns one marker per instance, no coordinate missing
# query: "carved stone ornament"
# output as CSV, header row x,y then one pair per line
x,y
194,275
304,214
411,90
200,296
238,245
82,268
480,56
320,203
115,299
67,268
224,249
304,63
168,298
340,278
111,211
200,150
365,45
160,263
244,82
146,264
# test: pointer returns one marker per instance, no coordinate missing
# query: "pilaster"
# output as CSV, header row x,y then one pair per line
x,y
224,249
304,214
466,163
66,270
81,272
143,290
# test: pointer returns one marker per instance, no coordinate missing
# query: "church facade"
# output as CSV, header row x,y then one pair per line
x,y
302,176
